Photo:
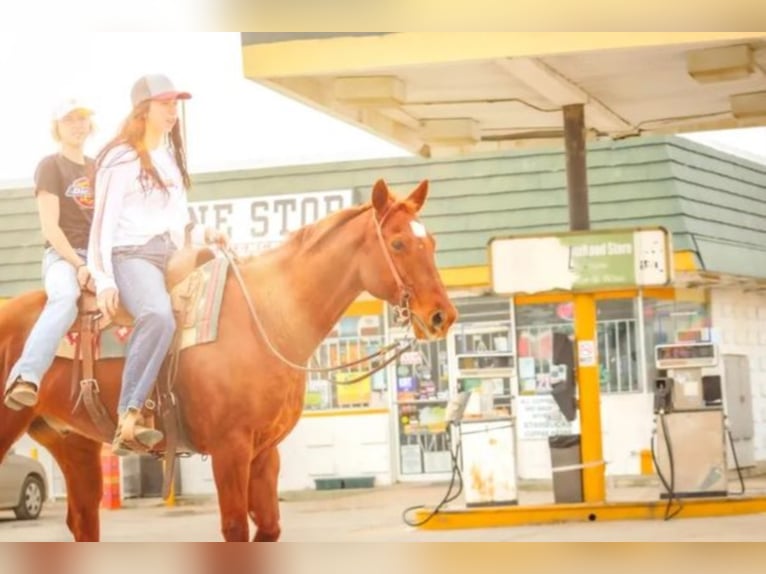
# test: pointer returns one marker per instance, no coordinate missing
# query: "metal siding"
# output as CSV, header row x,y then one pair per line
x,y
733,258
701,195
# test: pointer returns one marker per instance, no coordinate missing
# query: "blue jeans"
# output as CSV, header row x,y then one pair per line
x,y
139,272
58,315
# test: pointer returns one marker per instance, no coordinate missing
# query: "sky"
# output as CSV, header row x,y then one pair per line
x,y
232,122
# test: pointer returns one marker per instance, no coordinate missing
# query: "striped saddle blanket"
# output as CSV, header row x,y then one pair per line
x,y
199,296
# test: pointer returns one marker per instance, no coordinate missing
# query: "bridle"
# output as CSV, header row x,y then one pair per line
x,y
402,316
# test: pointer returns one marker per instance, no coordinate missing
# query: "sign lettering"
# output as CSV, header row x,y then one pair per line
x,y
258,223
538,417
578,261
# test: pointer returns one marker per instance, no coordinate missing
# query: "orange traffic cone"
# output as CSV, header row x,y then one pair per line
x,y
110,472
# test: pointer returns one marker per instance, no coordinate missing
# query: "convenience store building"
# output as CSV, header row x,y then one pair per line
x,y
390,428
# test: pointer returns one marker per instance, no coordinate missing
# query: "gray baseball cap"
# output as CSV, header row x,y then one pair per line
x,y
155,87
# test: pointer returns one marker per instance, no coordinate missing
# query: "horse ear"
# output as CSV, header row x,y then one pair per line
x,y
418,196
380,196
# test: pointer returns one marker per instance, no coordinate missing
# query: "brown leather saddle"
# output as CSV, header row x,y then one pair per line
x,y
180,281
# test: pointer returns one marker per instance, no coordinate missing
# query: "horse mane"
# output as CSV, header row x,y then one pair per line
x,y
311,236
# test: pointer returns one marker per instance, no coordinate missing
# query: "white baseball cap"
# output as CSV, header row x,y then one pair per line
x,y
69,105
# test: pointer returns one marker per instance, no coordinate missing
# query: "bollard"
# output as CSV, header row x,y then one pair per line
x,y
647,464
171,499
110,472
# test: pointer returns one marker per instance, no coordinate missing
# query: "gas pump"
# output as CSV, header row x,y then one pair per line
x,y
484,369
690,425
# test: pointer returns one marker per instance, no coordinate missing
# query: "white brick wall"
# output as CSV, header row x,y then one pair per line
x,y
740,320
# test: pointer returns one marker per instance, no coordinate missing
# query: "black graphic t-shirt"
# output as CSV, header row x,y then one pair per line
x,y
69,181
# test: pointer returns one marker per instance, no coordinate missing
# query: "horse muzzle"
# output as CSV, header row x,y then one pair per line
x,y
434,324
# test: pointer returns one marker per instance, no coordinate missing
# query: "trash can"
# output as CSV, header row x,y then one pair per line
x,y
567,483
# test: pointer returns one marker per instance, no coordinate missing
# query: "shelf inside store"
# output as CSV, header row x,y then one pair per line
x,y
464,330
422,401
486,373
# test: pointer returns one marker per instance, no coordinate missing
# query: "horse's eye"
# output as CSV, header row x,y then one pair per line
x,y
397,244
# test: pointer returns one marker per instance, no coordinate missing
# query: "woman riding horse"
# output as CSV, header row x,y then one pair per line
x,y
141,218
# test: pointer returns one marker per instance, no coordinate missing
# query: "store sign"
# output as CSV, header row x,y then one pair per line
x,y
258,223
581,261
538,417
586,353
411,358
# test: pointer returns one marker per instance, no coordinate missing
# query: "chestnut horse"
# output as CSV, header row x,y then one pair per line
x,y
242,394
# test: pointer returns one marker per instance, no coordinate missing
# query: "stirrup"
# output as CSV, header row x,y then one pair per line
x,y
120,447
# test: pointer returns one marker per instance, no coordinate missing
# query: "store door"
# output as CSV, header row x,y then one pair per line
x,y
739,409
625,413
478,349
484,361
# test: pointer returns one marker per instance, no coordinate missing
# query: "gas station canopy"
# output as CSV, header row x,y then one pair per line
x,y
458,93
440,94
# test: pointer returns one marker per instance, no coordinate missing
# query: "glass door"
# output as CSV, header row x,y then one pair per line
x,y
425,380
484,361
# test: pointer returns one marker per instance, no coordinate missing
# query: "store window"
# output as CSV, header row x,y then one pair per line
x,y
617,339
352,338
618,345
684,317
535,326
422,393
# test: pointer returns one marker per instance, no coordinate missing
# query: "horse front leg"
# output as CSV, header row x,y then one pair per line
x,y
13,424
231,471
80,461
264,499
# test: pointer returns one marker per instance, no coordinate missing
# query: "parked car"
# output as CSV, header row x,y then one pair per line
x,y
23,486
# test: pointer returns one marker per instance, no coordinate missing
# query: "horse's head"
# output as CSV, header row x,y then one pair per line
x,y
399,265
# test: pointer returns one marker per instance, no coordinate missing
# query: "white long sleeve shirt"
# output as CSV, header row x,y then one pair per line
x,y
128,213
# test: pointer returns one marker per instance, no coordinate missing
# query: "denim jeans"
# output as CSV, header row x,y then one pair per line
x,y
58,315
139,272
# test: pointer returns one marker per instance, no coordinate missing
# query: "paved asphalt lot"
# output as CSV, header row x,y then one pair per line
x,y
375,515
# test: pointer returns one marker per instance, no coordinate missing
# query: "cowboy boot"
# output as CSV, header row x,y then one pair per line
x,y
131,431
21,394
119,446
146,418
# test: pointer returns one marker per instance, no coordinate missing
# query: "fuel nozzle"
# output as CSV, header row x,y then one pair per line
x,y
663,387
